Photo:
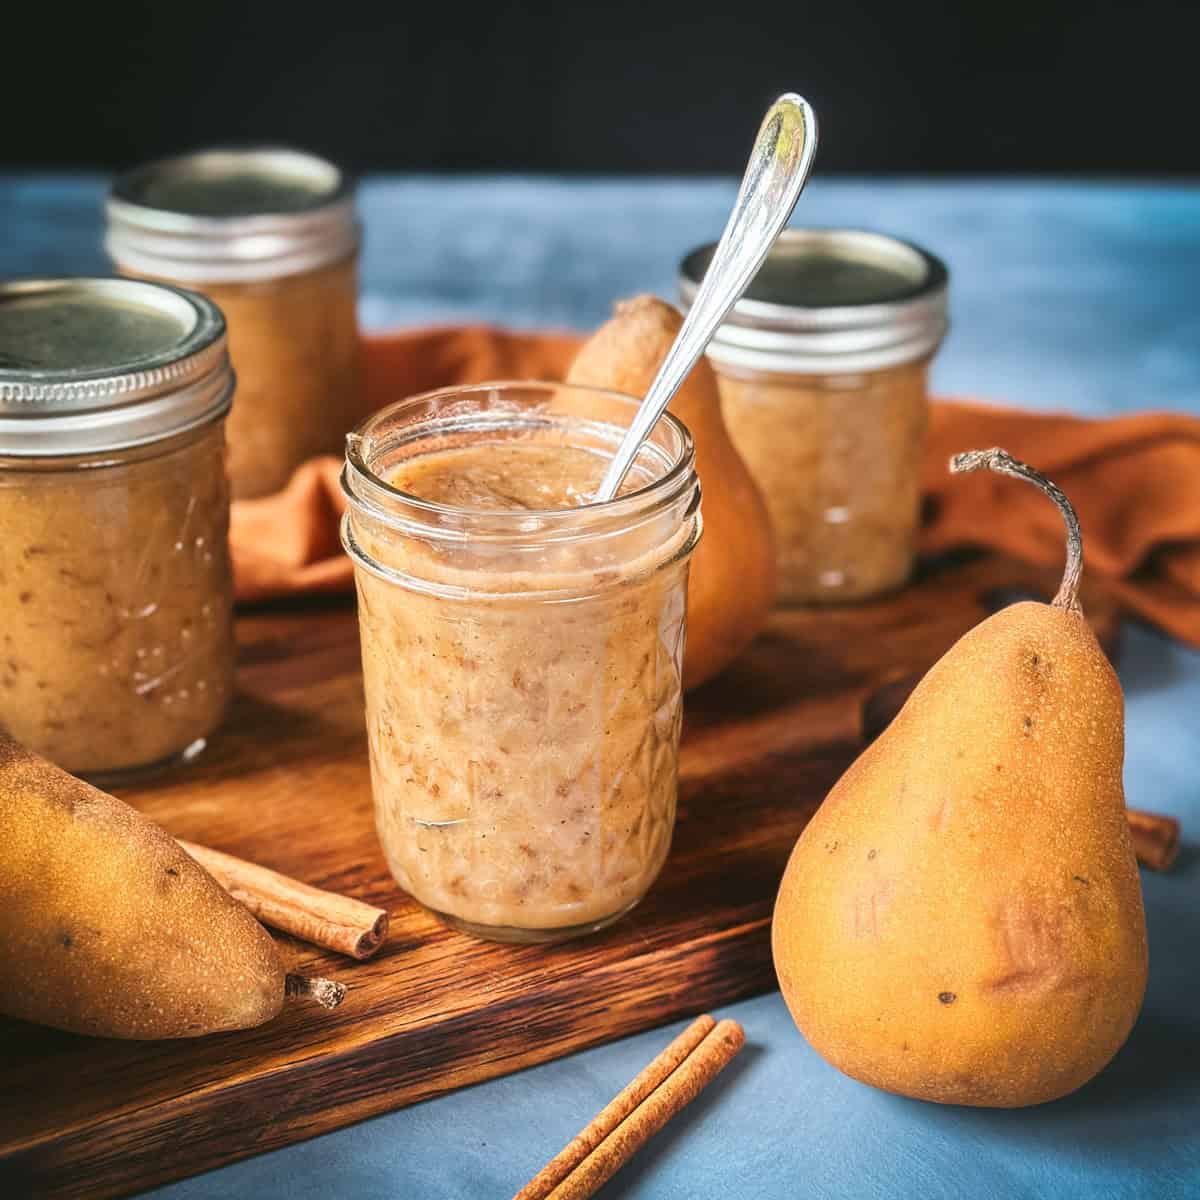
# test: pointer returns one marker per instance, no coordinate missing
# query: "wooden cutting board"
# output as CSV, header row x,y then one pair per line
x,y
286,785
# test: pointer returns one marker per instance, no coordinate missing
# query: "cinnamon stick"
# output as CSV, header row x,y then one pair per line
x,y
324,918
1155,838
668,1084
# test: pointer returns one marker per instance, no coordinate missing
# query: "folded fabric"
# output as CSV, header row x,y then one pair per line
x,y
287,544
1135,481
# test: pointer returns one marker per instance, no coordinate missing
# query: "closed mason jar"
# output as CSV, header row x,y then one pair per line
x,y
271,236
116,640
521,664
823,371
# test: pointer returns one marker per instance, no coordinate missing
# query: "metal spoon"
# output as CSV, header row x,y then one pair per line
x,y
775,175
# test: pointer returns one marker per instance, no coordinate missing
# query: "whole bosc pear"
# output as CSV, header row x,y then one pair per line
x,y
961,921
731,585
108,928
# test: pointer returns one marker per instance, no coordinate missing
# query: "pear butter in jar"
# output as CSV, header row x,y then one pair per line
x,y
522,651
116,636
271,236
823,371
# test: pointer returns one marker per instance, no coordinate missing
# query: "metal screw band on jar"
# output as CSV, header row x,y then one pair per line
x,y
831,301
230,215
95,365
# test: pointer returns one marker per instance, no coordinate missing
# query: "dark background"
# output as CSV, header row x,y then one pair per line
x,y
1062,86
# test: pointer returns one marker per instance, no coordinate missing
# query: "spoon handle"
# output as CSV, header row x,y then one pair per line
x,y
775,175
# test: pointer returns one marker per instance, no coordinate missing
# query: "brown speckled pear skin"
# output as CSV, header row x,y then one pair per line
x,y
962,921
731,586
107,927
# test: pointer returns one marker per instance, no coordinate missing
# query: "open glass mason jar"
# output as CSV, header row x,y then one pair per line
x,y
116,639
521,651
271,235
823,369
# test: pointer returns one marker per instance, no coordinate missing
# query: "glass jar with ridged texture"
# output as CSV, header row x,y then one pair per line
x,y
116,639
823,372
271,236
521,651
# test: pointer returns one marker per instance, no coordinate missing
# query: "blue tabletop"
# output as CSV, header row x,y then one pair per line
x,y
1083,297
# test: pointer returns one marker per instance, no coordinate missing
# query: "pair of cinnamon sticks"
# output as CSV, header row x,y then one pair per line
x,y
675,1078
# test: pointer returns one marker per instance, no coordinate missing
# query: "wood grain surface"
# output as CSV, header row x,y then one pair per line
x,y
286,785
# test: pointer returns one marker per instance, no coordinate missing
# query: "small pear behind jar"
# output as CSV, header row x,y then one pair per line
x,y
732,583
962,921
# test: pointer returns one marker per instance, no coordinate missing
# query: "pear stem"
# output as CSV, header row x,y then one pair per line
x,y
1002,462
325,992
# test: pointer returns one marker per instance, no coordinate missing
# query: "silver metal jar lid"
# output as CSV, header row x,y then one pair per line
x,y
830,301
94,365
231,216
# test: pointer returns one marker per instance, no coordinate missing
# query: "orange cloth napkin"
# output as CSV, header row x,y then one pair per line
x,y
1135,481
288,543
